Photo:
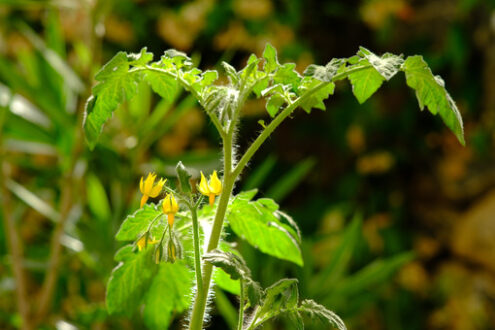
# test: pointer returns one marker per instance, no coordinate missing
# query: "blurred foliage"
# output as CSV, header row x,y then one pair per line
x,y
421,255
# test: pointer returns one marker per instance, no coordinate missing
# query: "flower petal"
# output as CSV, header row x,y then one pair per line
x,y
215,184
203,186
148,183
157,188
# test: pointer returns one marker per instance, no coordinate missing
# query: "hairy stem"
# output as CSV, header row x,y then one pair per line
x,y
227,187
241,307
230,176
197,253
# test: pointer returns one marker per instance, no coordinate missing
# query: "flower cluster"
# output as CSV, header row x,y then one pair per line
x,y
170,207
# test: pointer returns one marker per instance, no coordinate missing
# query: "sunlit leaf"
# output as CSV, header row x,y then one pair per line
x,y
136,224
318,311
168,294
430,92
264,228
129,281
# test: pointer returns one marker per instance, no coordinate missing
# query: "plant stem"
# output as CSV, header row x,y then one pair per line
x,y
231,175
227,187
241,307
197,253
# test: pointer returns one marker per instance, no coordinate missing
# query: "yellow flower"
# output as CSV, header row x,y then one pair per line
x,y
141,243
148,189
170,207
212,188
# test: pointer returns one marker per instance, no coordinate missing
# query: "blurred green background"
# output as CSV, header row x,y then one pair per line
x,y
398,219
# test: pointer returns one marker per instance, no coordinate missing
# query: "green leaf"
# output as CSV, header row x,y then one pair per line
x,y
316,99
168,294
115,85
318,311
231,73
124,253
225,282
365,82
430,92
273,104
387,65
279,296
233,265
279,94
270,56
222,279
230,263
208,78
265,228
327,72
162,83
129,282
287,75
137,223
140,59
295,319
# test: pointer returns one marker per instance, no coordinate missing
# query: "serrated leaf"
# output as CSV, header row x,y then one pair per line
x,y
270,56
365,82
273,104
137,223
208,77
115,86
282,295
316,99
168,294
179,59
142,58
231,73
387,65
251,68
287,75
327,72
129,282
163,84
232,264
318,311
261,85
222,279
296,319
263,228
430,92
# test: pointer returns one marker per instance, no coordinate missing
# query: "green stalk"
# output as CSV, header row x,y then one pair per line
x,y
230,176
197,255
227,187
241,307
